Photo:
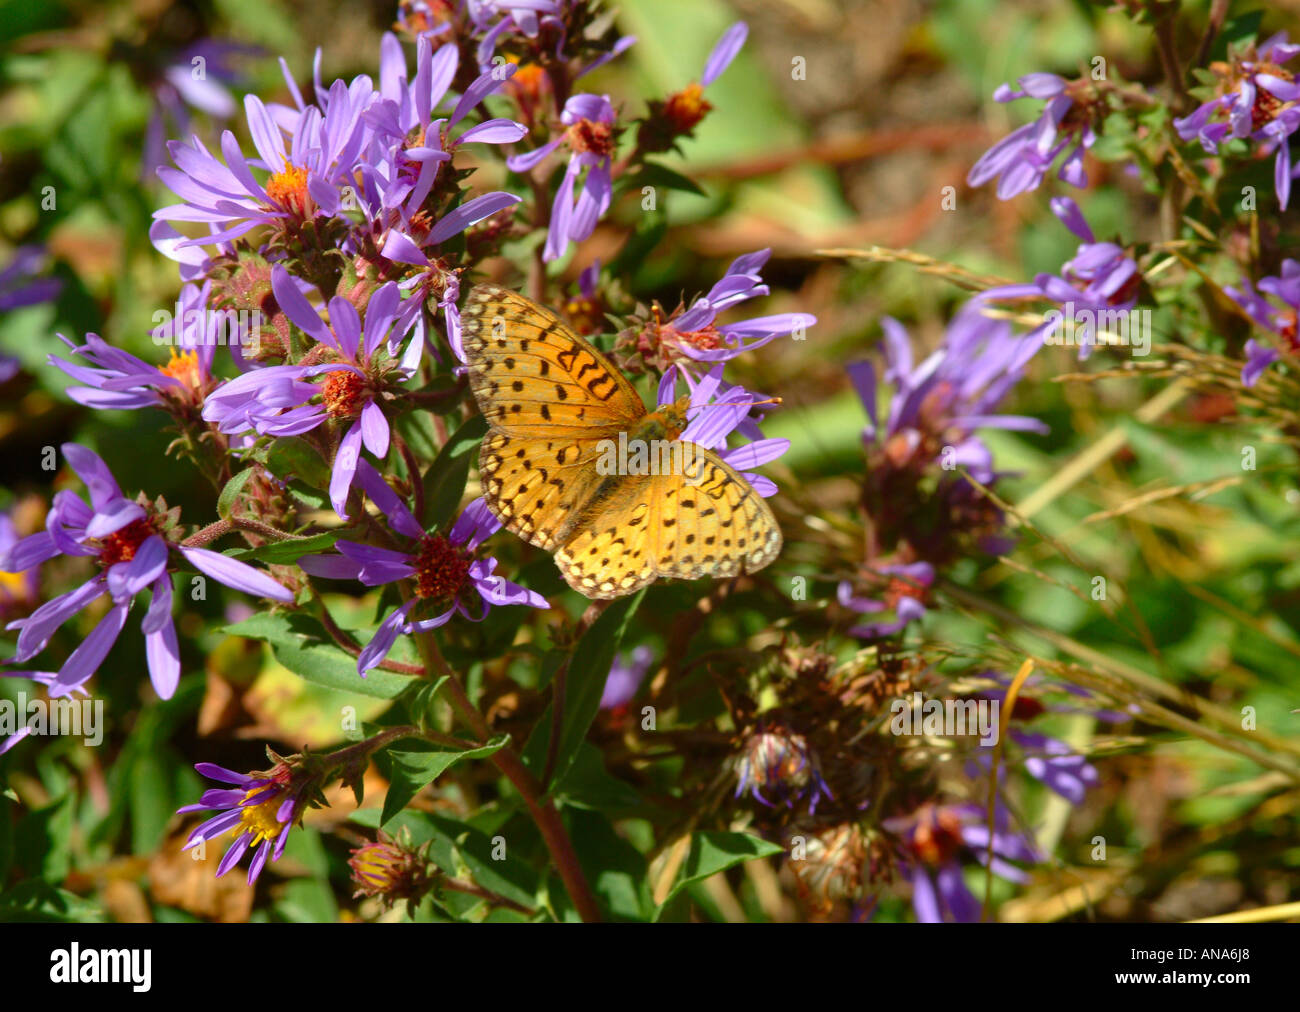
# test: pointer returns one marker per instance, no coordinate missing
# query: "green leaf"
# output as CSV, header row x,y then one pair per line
x,y
656,174
444,482
294,457
589,785
714,852
303,646
413,770
230,494
289,550
584,685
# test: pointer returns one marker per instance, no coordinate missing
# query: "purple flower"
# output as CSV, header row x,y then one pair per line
x,y
448,579
683,110
195,77
356,364
19,282
18,589
1278,321
306,177
938,404
132,546
406,149
695,335
591,138
260,810
1021,159
625,677
1099,284
904,594
1256,99
117,380
932,841
718,410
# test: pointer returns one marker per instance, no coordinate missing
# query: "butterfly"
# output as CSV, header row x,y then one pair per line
x,y
555,406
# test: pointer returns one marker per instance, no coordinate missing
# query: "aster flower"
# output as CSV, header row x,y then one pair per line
x,y
591,138
117,380
408,146
906,586
776,767
942,401
20,283
358,366
682,111
1067,125
1102,278
717,409
625,677
305,180
1256,99
132,543
260,809
931,842
448,578
1280,321
694,334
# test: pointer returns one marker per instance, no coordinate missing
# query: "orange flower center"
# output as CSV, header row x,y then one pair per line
x,y
183,366
589,137
341,393
288,190
686,108
937,837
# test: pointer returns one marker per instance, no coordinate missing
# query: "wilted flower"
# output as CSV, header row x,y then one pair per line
x,y
776,767
591,136
906,586
390,870
682,111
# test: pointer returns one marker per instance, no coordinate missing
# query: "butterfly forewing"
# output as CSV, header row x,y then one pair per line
x,y
534,376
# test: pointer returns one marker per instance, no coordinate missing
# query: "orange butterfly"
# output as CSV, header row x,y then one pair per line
x,y
555,406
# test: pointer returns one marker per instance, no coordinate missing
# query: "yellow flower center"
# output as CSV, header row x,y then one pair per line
x,y
183,366
260,819
288,189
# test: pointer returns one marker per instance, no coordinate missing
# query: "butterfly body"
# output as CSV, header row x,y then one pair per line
x,y
559,412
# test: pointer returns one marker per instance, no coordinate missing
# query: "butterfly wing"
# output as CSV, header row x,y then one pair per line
x,y
534,376
537,486
704,521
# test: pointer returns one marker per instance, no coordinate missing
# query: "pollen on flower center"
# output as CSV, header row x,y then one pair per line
x,y
686,108
440,569
590,137
288,189
259,819
183,366
121,545
341,393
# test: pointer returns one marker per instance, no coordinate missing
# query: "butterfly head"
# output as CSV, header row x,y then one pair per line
x,y
674,416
